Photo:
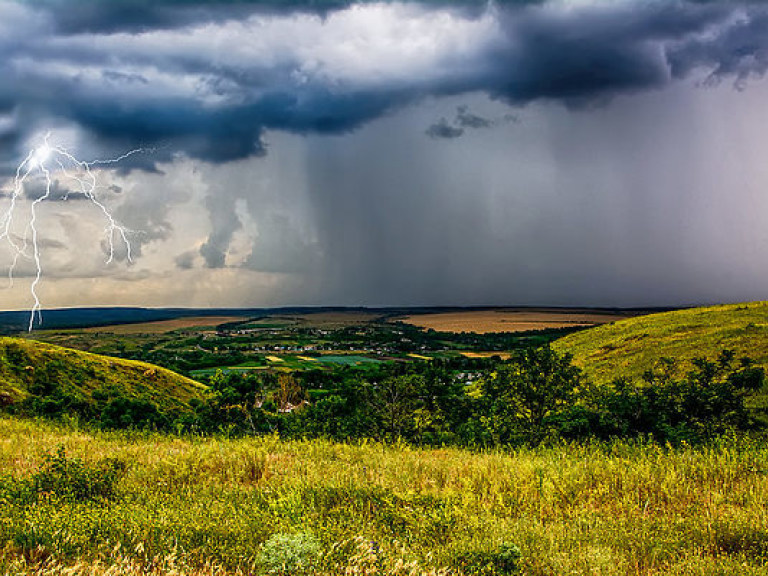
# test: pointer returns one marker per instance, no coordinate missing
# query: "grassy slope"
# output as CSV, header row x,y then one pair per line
x,y
22,362
630,347
583,510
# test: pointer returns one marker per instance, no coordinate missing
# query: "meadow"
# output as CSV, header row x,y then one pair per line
x,y
187,505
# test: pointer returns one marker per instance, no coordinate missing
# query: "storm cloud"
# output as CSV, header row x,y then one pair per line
x,y
208,78
338,152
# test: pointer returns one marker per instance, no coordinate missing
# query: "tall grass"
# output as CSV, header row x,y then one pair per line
x,y
211,506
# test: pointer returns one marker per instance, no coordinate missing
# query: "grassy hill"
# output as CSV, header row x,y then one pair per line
x,y
630,347
25,364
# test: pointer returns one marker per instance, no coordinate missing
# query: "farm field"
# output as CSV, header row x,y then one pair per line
x,y
292,362
346,359
504,320
216,506
163,326
337,319
502,355
320,320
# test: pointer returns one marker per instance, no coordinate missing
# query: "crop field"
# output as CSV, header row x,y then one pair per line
x,y
346,359
201,322
502,355
264,506
326,320
291,362
486,321
338,319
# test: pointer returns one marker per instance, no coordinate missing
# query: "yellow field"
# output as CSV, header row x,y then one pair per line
x,y
502,355
167,325
506,320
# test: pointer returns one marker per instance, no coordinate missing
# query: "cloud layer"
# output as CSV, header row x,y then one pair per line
x,y
370,152
209,78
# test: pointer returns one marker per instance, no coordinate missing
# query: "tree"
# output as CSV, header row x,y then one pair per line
x,y
392,401
527,398
709,400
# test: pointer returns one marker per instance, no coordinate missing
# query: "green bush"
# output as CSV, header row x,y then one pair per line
x,y
289,553
498,562
69,479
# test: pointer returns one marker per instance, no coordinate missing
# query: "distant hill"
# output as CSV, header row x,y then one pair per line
x,y
630,347
27,366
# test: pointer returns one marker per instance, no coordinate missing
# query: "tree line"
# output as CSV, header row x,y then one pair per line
x,y
535,396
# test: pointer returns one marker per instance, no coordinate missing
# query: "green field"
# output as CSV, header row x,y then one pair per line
x,y
630,347
347,359
217,506
286,362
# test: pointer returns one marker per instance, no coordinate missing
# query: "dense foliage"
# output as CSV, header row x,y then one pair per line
x,y
535,396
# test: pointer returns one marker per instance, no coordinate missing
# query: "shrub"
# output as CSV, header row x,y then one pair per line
x,y
500,561
289,553
70,479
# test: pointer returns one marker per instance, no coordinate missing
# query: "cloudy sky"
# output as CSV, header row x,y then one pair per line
x,y
326,152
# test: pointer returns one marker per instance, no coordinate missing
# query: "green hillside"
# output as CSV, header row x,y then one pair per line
x,y
26,366
630,347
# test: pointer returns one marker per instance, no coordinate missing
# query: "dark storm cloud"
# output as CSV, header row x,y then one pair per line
x,y
207,78
442,129
740,51
141,15
186,260
467,119
464,120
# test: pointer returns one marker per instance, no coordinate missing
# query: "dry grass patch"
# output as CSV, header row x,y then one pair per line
x,y
330,320
163,326
485,321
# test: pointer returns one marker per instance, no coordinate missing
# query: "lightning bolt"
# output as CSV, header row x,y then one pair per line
x,y
44,161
